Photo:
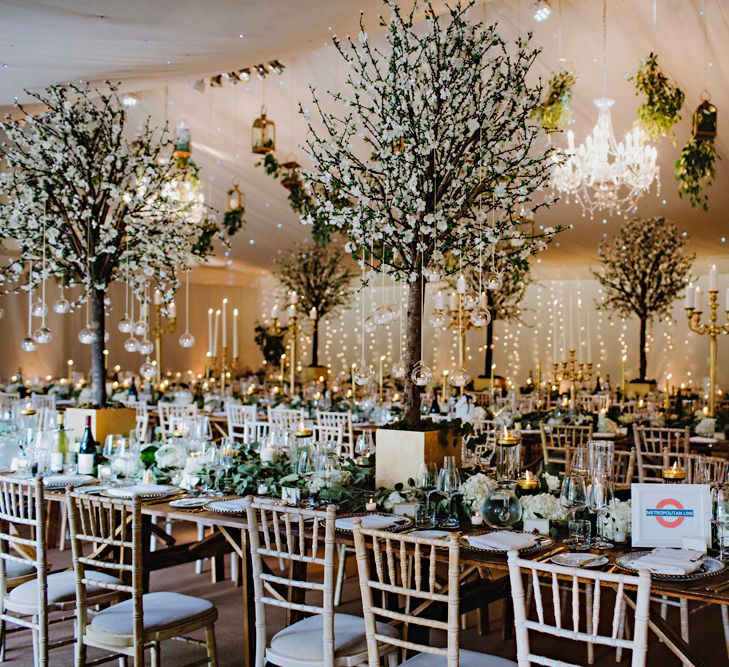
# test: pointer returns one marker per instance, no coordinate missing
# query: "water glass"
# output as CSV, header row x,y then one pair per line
x,y
600,501
579,534
601,458
720,516
449,485
573,495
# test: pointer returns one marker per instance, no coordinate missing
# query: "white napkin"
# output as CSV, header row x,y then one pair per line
x,y
503,540
66,480
141,490
669,561
373,521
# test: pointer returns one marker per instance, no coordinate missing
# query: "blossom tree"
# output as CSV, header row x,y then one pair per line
x,y
88,204
642,270
434,147
319,275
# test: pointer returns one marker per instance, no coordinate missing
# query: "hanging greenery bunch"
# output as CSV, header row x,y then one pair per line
x,y
695,168
555,112
661,109
298,197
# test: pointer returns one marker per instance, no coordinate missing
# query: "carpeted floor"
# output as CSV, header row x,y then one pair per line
x,y
705,623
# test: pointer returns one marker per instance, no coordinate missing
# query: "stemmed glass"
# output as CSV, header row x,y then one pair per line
x,y
600,501
573,495
720,515
449,484
426,481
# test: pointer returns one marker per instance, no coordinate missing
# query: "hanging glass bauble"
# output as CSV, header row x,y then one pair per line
x,y
399,370
459,377
62,306
439,319
494,280
187,340
147,369
39,308
363,373
469,300
87,335
140,328
432,274
125,324
421,374
43,335
369,325
145,347
381,316
131,344
480,317
28,344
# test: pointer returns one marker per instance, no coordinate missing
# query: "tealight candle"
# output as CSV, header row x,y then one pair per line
x,y
477,520
674,474
147,477
371,505
268,455
262,489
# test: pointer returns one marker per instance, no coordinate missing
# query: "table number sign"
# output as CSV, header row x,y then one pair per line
x,y
663,515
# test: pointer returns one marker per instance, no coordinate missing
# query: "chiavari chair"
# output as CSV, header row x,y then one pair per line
x,y
100,526
285,419
405,566
558,440
171,412
301,538
587,629
343,419
652,444
239,416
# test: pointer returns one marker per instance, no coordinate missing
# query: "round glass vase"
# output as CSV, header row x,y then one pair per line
x,y
502,508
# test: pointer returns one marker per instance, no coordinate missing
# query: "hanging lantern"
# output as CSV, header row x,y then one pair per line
x,y
183,147
236,198
704,121
263,135
290,174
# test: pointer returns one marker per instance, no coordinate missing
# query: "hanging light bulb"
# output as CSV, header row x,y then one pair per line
x,y
459,377
87,335
39,308
43,335
421,375
363,373
131,344
145,347
399,370
147,369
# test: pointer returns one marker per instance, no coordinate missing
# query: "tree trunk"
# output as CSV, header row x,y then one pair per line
x,y
98,370
489,347
413,352
643,360
315,343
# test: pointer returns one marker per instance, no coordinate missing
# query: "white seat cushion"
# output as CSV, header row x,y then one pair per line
x,y
304,640
160,611
61,588
15,570
465,659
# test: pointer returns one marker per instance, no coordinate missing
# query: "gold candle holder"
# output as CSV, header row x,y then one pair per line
x,y
674,474
572,371
712,329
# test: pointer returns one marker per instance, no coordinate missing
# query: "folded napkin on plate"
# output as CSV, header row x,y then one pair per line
x,y
235,505
669,561
373,521
503,540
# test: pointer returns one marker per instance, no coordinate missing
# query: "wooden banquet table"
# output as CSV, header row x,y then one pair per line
x,y
229,535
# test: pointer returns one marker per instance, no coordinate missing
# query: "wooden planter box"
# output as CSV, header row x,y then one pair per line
x,y
103,422
640,389
399,453
313,373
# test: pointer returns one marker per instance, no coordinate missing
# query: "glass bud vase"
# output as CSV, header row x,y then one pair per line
x,y
502,508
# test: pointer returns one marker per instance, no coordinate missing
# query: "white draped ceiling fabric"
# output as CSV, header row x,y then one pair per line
x,y
155,49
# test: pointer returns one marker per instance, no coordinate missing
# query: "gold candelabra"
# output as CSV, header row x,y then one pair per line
x,y
292,330
572,371
713,329
158,330
223,367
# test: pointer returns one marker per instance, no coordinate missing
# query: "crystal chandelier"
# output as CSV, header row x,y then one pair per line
x,y
601,174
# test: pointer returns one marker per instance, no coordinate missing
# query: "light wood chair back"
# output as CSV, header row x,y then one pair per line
x,y
285,418
624,466
405,565
558,440
587,630
333,435
22,512
343,419
168,411
141,426
488,428
298,537
239,416
651,446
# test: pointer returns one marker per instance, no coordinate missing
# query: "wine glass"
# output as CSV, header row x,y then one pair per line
x,y
720,515
600,501
425,481
573,494
449,484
